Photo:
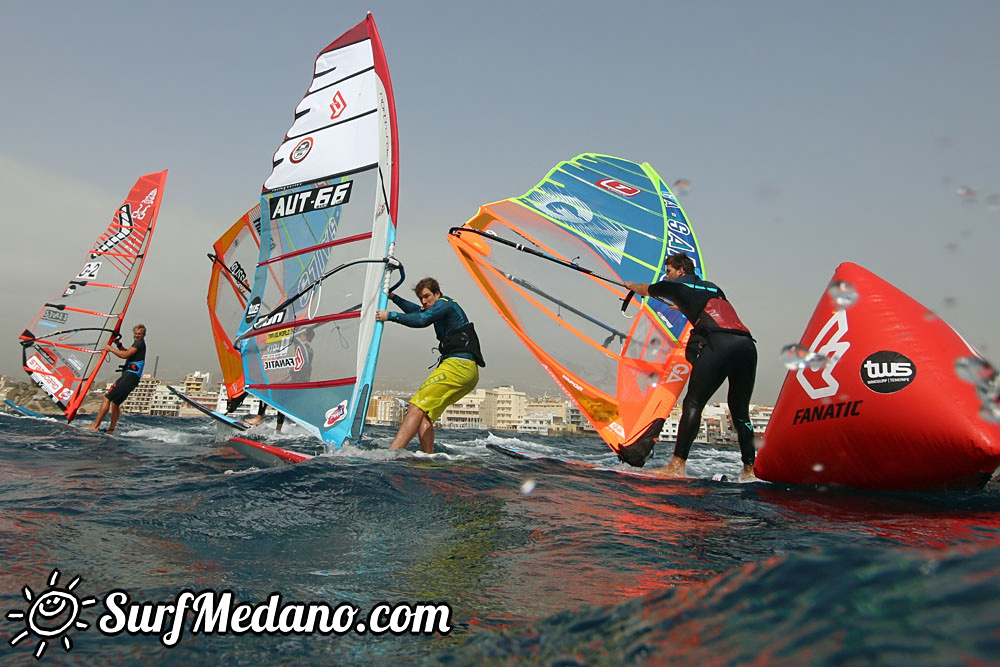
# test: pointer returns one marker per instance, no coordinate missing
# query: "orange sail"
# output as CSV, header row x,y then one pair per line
x,y
233,262
63,347
553,263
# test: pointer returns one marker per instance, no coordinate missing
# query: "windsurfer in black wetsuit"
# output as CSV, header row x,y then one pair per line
x,y
720,347
135,359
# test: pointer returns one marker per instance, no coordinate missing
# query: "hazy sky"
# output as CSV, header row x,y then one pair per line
x,y
812,132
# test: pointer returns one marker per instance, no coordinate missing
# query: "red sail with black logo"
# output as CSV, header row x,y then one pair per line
x,y
63,347
888,409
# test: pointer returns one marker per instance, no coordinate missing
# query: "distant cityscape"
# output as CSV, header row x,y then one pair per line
x,y
502,408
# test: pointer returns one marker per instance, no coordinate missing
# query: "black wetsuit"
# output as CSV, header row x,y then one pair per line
x,y
720,347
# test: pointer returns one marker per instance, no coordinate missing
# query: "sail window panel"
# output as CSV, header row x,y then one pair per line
x,y
570,315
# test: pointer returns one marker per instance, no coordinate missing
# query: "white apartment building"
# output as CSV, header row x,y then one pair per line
x,y
140,400
385,411
465,412
504,408
760,416
545,416
164,403
537,422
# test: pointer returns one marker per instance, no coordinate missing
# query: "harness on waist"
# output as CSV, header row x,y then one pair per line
x,y
722,315
462,339
132,367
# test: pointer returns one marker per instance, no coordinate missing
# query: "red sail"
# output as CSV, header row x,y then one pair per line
x,y
64,345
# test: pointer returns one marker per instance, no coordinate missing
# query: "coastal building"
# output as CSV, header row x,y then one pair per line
x,y
504,408
247,408
501,408
577,423
140,401
545,416
465,412
385,410
760,416
164,403
198,389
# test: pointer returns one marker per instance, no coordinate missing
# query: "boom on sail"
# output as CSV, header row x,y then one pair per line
x,y
553,262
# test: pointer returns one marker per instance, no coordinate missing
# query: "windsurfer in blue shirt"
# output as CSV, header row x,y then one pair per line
x,y
135,359
720,347
457,372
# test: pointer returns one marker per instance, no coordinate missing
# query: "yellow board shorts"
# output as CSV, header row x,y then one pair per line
x,y
450,381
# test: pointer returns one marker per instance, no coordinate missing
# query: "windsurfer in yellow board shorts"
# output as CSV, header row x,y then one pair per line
x,y
455,375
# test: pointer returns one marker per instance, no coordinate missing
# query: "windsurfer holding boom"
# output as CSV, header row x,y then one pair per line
x,y
135,359
720,347
457,372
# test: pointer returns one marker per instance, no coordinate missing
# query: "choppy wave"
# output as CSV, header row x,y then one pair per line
x,y
580,566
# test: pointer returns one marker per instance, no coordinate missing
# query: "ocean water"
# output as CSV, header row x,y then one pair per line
x,y
540,562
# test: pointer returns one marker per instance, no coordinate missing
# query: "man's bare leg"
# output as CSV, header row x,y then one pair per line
x,y
409,427
116,412
105,404
426,435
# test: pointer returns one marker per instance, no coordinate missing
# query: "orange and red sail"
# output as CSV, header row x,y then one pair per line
x,y
234,259
63,347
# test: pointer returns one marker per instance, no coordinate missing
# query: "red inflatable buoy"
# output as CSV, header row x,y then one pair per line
x,y
881,406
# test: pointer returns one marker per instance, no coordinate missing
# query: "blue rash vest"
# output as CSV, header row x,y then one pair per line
x,y
446,316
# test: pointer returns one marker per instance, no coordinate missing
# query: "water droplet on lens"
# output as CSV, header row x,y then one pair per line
x,y
816,361
990,411
975,370
527,486
982,376
966,193
682,186
843,294
794,357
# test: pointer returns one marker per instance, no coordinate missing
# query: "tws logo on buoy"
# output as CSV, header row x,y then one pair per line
x,y
51,615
